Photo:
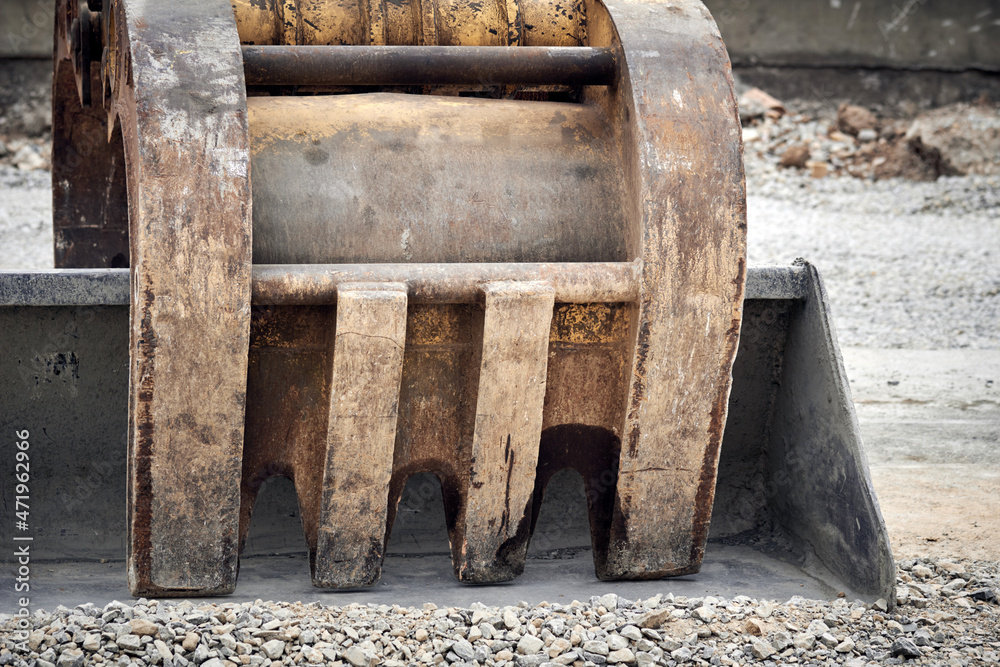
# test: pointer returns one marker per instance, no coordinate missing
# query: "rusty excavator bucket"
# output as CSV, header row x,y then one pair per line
x,y
355,243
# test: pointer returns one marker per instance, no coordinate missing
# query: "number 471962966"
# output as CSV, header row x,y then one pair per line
x,y
22,475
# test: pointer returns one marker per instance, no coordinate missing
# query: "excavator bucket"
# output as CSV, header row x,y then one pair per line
x,y
364,242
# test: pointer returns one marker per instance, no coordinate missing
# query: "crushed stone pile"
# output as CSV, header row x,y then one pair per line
x,y
957,140
946,613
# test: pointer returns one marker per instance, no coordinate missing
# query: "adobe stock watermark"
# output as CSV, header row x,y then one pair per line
x,y
21,541
37,19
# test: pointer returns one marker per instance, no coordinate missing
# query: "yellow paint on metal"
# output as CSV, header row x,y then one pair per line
x,y
580,323
436,325
411,22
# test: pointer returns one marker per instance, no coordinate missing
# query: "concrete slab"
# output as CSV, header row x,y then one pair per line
x,y
411,581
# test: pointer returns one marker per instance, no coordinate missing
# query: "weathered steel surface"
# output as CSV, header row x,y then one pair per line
x,y
180,98
317,284
494,524
638,184
89,205
82,287
676,111
412,22
422,178
433,65
364,402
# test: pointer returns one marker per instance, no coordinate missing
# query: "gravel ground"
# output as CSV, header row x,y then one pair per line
x,y
946,614
25,219
908,264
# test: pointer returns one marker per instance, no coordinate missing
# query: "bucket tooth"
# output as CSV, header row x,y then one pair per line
x,y
495,522
364,402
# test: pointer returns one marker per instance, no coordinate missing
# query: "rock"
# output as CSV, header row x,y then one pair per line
x,y
510,619
200,654
535,660
964,139
951,567
503,655
867,135
421,635
631,632
852,119
795,156
828,640
622,655
905,648
609,601
654,619
359,657
27,158
780,641
804,641
129,643
92,643
704,613
616,642
273,649
558,647
683,654
143,627
596,647
567,658
817,627
464,650
530,645
213,662
755,627
845,646
761,649
755,103
70,658
840,137
162,648
35,639
197,618
954,586
922,571
983,595
191,641
818,168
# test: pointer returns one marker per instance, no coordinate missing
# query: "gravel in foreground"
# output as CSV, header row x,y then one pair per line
x,y
947,614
